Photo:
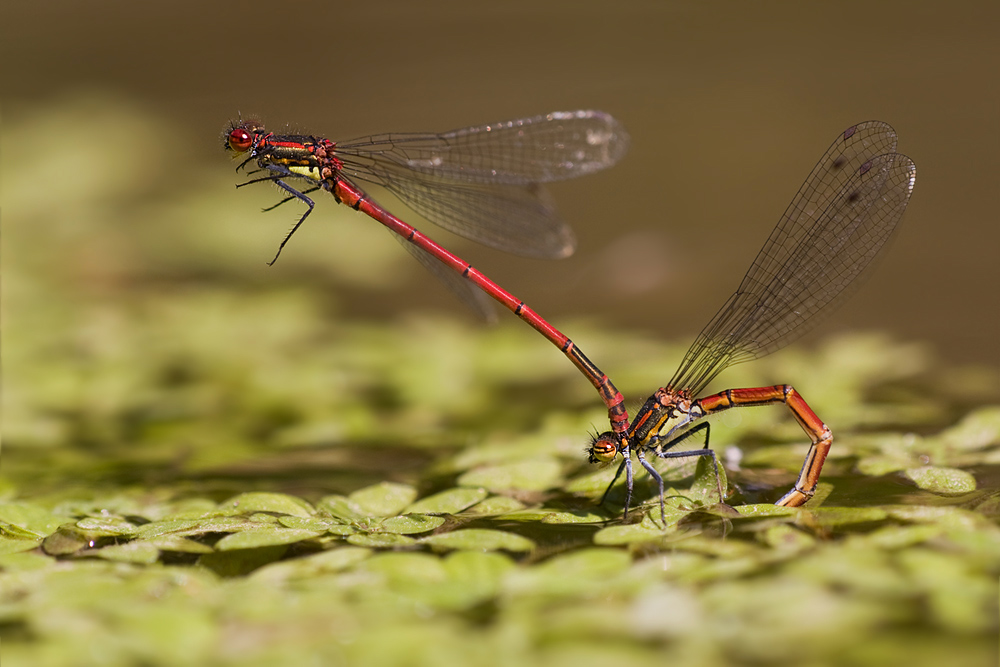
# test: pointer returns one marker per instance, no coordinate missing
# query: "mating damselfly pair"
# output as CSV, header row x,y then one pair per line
x,y
485,183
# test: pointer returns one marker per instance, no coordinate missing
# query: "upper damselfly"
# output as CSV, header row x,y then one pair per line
x,y
483,183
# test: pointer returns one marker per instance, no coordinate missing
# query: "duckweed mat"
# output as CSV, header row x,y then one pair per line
x,y
202,466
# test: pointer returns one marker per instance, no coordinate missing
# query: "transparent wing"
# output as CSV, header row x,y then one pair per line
x,y
522,220
482,183
468,293
540,149
841,218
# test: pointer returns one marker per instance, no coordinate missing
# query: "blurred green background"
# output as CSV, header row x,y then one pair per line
x,y
207,460
728,105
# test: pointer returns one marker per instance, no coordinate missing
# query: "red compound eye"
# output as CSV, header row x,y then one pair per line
x,y
603,449
240,140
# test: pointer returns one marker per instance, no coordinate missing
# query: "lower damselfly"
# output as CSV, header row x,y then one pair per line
x,y
842,217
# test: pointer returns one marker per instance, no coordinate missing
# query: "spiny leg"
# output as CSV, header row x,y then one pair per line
x,y
699,452
295,195
289,198
659,483
263,179
628,483
818,432
822,440
704,451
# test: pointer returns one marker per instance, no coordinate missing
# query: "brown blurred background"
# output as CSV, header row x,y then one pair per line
x,y
728,105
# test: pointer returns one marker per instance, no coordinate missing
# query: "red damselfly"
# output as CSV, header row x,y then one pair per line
x,y
483,183
842,216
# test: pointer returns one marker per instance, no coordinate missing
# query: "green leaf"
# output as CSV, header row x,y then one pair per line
x,y
38,521
179,545
106,526
9,546
384,498
265,537
240,562
783,537
380,540
156,528
536,475
593,563
25,562
406,567
311,567
708,478
479,539
409,524
11,532
844,516
529,515
479,569
950,517
765,510
593,482
899,537
130,552
495,505
575,575
65,541
646,531
320,525
216,524
451,501
341,508
976,431
278,503
943,481
578,516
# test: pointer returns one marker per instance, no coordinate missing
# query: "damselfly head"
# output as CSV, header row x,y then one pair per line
x,y
239,135
603,448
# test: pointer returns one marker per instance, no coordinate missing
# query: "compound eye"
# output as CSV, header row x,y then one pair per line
x,y
240,140
604,448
